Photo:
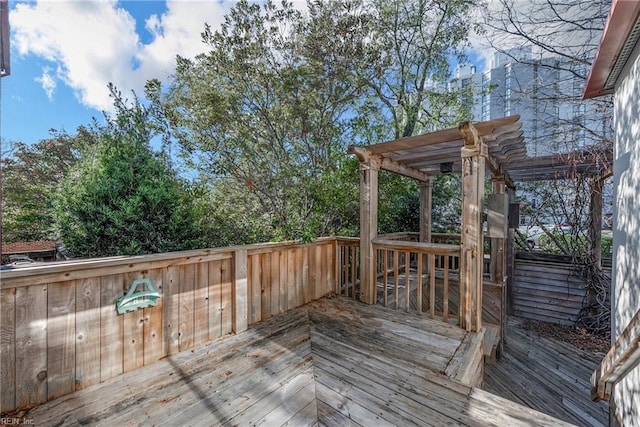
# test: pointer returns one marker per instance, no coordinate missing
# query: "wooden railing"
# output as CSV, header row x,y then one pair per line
x,y
623,356
61,331
417,276
348,266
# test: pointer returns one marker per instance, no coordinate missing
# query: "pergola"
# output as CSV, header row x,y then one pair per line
x,y
495,146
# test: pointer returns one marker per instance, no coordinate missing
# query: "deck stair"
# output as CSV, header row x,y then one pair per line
x,y
491,343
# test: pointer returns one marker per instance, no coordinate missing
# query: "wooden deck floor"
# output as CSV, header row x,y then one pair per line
x,y
331,362
547,375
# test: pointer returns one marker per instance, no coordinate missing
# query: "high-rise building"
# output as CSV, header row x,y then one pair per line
x,y
545,92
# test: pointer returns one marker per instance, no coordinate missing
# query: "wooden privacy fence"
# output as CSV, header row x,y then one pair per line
x,y
60,330
547,288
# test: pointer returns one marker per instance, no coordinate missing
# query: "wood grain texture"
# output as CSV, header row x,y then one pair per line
x,y
87,343
308,366
7,349
111,327
153,330
201,304
61,338
133,331
226,297
31,345
187,315
171,310
215,299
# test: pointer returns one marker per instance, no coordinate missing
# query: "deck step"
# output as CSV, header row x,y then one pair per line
x,y
491,342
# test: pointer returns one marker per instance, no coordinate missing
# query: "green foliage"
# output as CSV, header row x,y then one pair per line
x,y
266,107
606,245
29,178
121,198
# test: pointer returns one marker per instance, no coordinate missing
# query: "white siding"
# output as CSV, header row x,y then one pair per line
x,y
626,235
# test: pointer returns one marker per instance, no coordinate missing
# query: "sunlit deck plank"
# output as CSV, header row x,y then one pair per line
x,y
331,362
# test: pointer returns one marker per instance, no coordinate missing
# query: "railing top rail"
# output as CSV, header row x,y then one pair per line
x,y
623,356
422,247
94,267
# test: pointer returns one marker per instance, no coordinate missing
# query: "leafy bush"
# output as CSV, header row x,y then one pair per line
x,y
121,198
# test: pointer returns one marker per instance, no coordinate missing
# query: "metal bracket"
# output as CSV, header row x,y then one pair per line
x,y
135,299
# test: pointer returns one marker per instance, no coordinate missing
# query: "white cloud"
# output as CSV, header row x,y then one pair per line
x,y
92,43
47,81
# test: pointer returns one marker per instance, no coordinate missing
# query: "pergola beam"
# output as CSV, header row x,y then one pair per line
x,y
364,155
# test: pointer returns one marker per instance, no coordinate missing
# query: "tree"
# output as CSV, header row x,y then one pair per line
x,y
266,107
30,177
121,198
417,40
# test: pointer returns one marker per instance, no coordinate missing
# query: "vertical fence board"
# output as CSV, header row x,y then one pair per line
x,y
291,278
432,285
407,280
275,282
256,289
31,345
8,349
215,299
171,310
111,326
226,297
133,331
201,304
265,286
187,278
87,332
317,274
299,292
396,259
284,283
419,262
445,289
153,340
61,331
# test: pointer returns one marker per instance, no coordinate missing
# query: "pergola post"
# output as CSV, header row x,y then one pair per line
x,y
498,224
368,228
426,192
473,155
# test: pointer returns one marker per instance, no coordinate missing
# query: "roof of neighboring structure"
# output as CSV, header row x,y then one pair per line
x,y
437,152
29,247
621,33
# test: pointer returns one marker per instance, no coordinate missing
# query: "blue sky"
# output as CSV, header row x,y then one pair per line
x,y
65,52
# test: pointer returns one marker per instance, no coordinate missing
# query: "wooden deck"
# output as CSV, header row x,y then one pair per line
x,y
331,362
547,375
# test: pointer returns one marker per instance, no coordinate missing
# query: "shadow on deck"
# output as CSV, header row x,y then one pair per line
x,y
330,362
547,375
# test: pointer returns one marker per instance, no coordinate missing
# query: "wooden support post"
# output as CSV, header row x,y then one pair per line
x,y
498,212
368,228
240,291
498,228
426,190
473,155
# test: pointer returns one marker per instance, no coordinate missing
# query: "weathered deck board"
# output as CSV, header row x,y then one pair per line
x,y
331,362
548,376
